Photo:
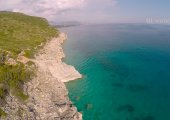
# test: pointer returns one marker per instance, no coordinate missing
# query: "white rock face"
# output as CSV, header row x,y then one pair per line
x,y
51,60
47,89
48,96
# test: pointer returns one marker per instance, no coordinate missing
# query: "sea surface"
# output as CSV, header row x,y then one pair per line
x,y
125,68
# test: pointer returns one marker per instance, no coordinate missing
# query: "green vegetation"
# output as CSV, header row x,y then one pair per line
x,y
12,79
2,113
19,32
22,32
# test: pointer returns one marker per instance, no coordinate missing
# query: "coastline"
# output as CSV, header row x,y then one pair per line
x,y
48,95
48,88
50,57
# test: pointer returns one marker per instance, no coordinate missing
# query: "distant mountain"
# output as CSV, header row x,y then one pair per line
x,y
66,24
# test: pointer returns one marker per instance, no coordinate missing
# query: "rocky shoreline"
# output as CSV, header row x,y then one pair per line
x,y
48,96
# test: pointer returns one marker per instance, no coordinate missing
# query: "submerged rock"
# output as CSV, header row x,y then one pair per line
x,y
148,118
89,106
145,118
137,88
118,85
128,108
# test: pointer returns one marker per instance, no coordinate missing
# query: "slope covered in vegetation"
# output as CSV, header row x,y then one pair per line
x,y
19,33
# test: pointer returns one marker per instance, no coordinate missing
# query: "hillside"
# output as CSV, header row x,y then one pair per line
x,y
20,36
22,32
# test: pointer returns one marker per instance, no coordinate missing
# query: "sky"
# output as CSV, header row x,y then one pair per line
x,y
91,11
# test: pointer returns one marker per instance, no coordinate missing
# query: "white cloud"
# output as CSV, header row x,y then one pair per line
x,y
44,8
59,4
59,9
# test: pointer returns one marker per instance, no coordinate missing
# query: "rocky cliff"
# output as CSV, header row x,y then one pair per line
x,y
48,96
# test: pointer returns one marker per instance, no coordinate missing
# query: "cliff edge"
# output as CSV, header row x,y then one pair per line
x,y
32,72
48,96
47,90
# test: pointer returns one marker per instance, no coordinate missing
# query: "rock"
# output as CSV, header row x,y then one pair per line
x,y
48,96
89,106
11,61
22,59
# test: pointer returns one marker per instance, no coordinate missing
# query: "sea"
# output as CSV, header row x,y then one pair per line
x,y
125,68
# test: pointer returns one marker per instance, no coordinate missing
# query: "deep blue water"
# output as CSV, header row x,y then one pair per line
x,y
126,71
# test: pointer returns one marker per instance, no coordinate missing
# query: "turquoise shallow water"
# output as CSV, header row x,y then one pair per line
x,y
126,71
